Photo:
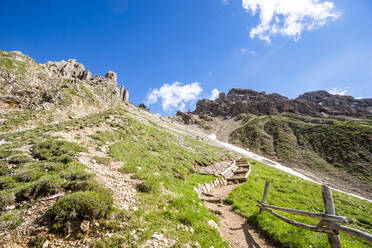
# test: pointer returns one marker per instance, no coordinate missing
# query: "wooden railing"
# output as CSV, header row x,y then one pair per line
x,y
329,222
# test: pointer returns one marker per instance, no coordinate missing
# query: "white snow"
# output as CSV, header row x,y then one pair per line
x,y
274,164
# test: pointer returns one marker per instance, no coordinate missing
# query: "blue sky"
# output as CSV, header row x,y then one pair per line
x,y
170,53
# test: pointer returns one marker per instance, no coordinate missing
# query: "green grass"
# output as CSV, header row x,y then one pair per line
x,y
163,161
292,192
16,119
51,168
78,206
330,145
11,219
166,196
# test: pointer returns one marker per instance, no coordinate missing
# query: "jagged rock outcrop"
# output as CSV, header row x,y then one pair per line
x,y
239,101
126,96
338,104
27,84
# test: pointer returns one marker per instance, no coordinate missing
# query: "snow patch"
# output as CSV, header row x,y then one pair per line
x,y
274,164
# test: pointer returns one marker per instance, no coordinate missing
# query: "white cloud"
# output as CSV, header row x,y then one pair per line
x,y
289,17
338,91
226,2
214,94
245,50
174,96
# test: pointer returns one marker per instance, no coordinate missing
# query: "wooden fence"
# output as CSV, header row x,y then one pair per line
x,y
329,222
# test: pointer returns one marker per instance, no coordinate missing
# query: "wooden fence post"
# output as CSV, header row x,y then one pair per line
x,y
265,194
334,239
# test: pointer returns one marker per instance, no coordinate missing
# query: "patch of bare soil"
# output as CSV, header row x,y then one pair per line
x,y
235,229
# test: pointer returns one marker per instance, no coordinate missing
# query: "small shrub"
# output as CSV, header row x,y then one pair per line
x,y
28,175
149,186
4,170
45,186
36,242
6,182
11,220
76,174
53,166
56,150
88,185
76,207
102,160
5,200
19,159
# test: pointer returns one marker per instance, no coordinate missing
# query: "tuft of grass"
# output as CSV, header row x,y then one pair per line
x,y
5,200
103,160
45,186
56,150
76,207
292,192
10,219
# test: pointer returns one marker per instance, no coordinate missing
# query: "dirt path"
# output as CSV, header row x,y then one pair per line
x,y
235,229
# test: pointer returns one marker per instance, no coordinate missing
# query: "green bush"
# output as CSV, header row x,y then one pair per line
x,y
56,150
11,219
149,186
28,175
19,159
76,207
87,185
5,200
102,160
45,186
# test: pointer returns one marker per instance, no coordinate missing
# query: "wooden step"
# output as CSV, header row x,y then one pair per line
x,y
239,179
244,166
240,172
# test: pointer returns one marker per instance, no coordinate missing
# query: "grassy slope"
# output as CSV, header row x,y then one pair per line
x,y
164,162
168,204
323,144
292,192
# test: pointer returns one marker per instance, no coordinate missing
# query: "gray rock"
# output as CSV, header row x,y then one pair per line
x,y
213,224
126,95
111,75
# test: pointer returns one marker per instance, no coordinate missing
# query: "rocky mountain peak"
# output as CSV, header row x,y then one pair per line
x,y
27,84
67,69
313,103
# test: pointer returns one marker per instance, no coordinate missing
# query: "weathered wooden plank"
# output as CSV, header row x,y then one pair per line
x,y
265,192
351,231
334,239
319,216
297,224
249,171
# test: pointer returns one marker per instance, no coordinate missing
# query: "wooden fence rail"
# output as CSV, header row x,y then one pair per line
x,y
328,221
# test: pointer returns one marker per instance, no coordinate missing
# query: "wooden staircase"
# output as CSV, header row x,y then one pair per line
x,y
240,172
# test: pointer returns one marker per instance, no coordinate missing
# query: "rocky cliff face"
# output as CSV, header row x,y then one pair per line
x,y
29,85
239,101
337,104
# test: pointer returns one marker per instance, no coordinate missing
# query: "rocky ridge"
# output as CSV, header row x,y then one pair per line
x,y
28,85
314,103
